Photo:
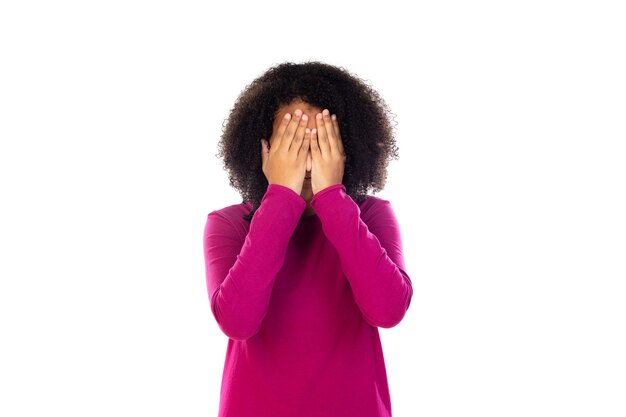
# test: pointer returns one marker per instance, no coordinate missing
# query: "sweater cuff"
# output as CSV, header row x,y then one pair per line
x,y
335,189
290,195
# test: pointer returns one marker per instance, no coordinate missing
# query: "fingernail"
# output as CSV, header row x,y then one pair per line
x,y
334,117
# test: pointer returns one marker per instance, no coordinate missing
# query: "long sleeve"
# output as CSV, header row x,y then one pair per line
x,y
240,271
370,254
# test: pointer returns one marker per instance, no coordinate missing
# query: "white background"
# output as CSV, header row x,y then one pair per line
x,y
510,191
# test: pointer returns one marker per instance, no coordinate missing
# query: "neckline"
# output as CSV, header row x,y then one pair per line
x,y
309,217
304,218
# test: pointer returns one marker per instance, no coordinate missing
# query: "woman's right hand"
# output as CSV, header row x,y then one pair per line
x,y
285,162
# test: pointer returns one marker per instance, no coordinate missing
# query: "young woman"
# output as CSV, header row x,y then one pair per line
x,y
303,272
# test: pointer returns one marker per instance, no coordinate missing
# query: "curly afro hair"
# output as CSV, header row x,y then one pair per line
x,y
363,116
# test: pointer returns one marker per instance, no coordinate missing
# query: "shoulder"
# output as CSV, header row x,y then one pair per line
x,y
376,211
231,217
372,203
233,211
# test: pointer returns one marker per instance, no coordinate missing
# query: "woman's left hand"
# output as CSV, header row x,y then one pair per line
x,y
327,153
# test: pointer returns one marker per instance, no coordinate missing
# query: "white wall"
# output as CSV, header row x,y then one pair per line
x,y
509,190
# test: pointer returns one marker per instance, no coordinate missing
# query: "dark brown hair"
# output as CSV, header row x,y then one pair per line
x,y
364,123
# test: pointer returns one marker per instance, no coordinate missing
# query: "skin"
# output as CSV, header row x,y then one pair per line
x,y
326,157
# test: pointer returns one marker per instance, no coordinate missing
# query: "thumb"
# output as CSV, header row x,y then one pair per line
x,y
264,151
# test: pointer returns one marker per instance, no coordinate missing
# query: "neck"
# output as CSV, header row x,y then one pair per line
x,y
309,210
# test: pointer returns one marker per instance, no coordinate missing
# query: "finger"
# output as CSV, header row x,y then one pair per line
x,y
330,133
322,137
287,136
337,133
315,149
304,150
296,142
281,129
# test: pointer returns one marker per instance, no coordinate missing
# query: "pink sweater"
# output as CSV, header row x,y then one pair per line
x,y
301,299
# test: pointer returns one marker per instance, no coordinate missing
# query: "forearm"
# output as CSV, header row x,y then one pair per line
x,y
381,287
240,301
